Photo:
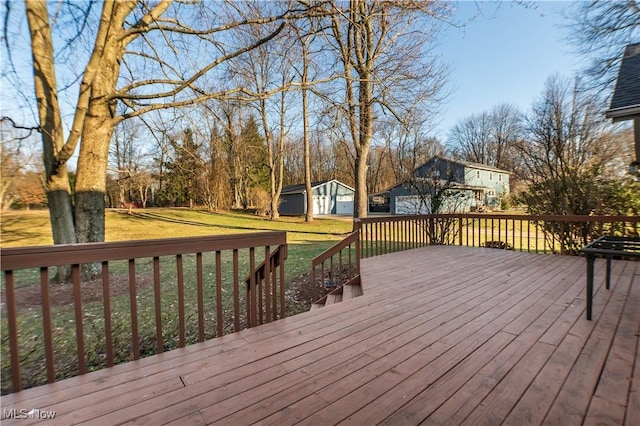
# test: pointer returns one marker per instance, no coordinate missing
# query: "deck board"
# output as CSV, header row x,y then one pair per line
x,y
441,335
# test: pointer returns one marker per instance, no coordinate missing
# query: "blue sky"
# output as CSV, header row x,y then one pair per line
x,y
504,55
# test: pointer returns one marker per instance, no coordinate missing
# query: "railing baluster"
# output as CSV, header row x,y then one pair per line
x,y
236,291
106,304
282,253
267,283
133,309
181,323
46,323
77,300
200,285
252,296
340,270
219,311
12,317
274,284
158,304
331,272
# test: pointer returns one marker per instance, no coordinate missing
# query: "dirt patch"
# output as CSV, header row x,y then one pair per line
x,y
29,297
302,293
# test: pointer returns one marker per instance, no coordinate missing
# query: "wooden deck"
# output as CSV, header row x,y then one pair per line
x,y
442,335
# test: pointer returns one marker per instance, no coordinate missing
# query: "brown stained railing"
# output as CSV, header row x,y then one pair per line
x,y
274,304
530,233
328,274
381,235
199,274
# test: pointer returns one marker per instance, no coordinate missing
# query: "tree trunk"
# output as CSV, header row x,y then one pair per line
x,y
57,178
92,171
97,131
308,216
361,202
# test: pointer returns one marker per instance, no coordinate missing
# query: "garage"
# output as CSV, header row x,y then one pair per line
x,y
330,197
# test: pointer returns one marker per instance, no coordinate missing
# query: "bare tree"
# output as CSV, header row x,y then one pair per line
x,y
266,69
304,40
127,157
409,145
601,30
16,158
383,50
144,56
568,156
489,137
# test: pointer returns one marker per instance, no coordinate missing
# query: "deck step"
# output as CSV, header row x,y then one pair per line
x,y
351,289
333,298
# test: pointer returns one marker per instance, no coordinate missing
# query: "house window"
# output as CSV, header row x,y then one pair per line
x,y
499,178
477,174
490,176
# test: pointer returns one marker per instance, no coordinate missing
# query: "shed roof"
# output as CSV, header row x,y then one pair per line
x,y
625,103
301,187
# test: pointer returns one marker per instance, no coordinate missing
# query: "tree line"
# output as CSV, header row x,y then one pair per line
x,y
564,156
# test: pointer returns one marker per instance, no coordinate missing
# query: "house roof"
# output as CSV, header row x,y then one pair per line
x,y
301,187
469,164
625,103
442,183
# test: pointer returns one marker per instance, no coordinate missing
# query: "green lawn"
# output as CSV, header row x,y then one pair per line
x,y
31,228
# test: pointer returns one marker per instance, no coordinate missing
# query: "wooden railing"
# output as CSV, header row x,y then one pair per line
x,y
150,296
337,266
266,310
539,234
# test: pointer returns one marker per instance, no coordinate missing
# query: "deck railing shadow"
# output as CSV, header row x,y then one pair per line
x,y
148,297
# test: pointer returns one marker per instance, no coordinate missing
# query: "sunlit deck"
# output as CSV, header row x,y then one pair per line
x,y
442,335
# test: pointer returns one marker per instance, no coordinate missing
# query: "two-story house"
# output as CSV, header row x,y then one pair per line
x,y
444,185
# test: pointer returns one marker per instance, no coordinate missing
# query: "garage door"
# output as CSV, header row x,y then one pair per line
x,y
321,204
344,204
412,204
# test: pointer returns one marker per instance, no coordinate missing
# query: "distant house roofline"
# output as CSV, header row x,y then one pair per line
x,y
302,188
467,164
452,185
625,102
622,114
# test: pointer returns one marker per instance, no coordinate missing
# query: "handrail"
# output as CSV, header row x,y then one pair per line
x,y
266,271
531,233
330,276
187,275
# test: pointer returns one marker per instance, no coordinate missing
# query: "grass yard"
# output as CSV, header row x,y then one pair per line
x,y
305,240
32,228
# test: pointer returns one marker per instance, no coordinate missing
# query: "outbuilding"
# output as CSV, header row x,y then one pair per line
x,y
329,197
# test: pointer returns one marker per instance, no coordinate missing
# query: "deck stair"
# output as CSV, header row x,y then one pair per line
x,y
349,290
337,269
